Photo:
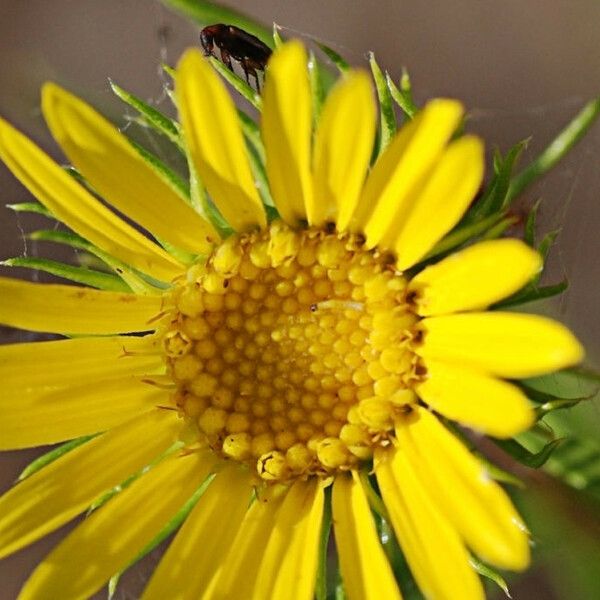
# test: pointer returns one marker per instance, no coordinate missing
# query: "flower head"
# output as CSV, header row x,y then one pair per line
x,y
270,347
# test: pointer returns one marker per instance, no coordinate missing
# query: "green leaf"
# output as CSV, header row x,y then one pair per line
x,y
43,461
173,524
206,13
565,524
584,374
32,207
489,573
557,149
321,583
535,394
150,115
566,384
95,279
402,96
165,173
535,460
387,117
558,404
341,65
577,463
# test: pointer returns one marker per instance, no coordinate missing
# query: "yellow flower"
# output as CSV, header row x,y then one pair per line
x,y
291,356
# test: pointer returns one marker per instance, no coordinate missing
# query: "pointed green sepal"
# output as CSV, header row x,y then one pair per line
x,y
533,293
402,95
534,460
339,62
496,199
165,173
173,524
277,41
321,582
31,207
43,461
237,83
489,573
83,275
150,115
387,116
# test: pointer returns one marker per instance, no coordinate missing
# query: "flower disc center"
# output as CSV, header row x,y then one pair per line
x,y
291,350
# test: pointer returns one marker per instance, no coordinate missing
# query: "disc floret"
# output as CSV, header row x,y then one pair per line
x,y
291,351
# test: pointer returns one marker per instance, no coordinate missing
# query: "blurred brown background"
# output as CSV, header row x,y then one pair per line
x,y
522,68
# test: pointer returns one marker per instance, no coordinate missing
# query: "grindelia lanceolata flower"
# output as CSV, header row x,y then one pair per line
x,y
271,354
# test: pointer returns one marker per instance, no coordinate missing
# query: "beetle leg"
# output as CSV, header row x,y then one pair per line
x,y
249,69
226,58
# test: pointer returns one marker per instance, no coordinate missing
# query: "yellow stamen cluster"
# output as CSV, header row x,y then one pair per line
x,y
290,350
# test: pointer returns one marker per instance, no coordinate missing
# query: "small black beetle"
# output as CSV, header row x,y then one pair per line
x,y
233,42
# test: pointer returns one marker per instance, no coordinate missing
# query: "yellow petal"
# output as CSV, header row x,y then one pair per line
x,y
289,564
503,343
460,486
79,210
343,146
477,400
442,202
110,163
198,551
70,362
215,142
366,573
434,552
74,310
286,123
476,277
46,416
239,570
67,486
111,537
401,171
